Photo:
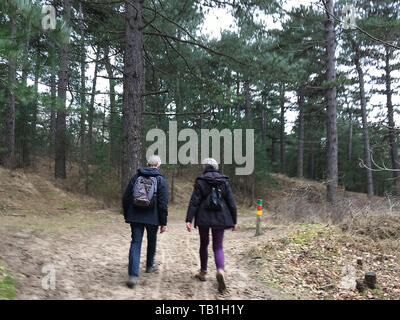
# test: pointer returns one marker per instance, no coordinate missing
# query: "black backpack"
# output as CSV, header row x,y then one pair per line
x,y
214,200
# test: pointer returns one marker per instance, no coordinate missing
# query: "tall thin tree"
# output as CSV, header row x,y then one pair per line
x,y
282,127
133,80
331,109
300,142
61,125
390,112
10,111
363,102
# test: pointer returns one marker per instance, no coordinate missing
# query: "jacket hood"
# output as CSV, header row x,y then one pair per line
x,y
148,171
213,176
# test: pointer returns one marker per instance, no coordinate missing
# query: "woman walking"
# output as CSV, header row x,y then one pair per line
x,y
213,207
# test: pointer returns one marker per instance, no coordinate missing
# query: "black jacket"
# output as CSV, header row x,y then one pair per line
x,y
226,217
156,215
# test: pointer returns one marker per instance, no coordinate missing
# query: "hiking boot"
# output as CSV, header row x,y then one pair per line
x,y
201,275
221,280
131,282
152,269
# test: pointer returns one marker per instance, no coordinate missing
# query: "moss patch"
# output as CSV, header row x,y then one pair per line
x,y
8,285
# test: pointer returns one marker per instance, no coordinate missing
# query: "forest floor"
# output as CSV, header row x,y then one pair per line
x,y
91,263
86,243
44,228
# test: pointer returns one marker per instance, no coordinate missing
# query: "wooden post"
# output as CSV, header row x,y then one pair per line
x,y
259,214
370,280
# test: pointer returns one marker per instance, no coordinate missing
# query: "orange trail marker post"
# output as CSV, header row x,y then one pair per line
x,y
259,214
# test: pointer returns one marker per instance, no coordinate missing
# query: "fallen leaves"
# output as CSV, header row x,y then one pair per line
x,y
309,263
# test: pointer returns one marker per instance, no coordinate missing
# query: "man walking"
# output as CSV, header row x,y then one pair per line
x,y
145,205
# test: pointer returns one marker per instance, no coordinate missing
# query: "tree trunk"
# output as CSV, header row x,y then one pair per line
x,y
282,133
350,147
178,103
310,164
89,141
25,63
178,94
263,127
264,120
273,143
24,108
10,111
103,129
92,100
367,154
248,115
331,113
113,110
83,151
300,143
133,81
53,97
35,107
237,95
392,133
61,126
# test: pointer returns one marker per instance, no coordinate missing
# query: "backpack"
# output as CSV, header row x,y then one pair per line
x,y
214,200
144,192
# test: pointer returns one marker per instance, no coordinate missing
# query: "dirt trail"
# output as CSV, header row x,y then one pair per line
x,y
92,264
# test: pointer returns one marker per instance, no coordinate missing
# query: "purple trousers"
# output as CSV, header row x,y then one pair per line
x,y
218,239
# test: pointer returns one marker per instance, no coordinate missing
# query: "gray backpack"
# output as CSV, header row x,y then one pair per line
x,y
145,192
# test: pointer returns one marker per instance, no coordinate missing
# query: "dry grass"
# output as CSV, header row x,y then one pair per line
x,y
24,192
309,262
376,225
30,201
33,198
301,200
105,187
355,214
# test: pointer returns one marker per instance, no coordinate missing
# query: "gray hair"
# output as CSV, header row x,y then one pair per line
x,y
210,163
154,161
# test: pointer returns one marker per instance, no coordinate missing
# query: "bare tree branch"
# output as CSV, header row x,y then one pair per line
x,y
386,43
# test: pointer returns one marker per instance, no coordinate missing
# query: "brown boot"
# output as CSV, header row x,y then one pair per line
x,y
221,280
201,275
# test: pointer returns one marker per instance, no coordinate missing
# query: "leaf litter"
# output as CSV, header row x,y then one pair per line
x,y
321,262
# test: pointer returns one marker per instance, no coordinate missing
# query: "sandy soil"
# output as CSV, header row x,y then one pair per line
x,y
91,263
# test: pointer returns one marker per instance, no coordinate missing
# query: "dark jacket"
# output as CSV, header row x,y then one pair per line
x,y
157,215
226,217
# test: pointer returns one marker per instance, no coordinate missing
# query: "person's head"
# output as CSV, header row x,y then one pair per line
x,y
210,163
154,161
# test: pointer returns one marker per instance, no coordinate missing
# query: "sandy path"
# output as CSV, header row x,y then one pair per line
x,y
92,264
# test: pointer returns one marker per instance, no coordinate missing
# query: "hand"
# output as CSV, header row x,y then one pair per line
x,y
188,226
163,229
234,227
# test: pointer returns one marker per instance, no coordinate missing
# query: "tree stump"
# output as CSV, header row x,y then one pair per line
x,y
370,280
360,285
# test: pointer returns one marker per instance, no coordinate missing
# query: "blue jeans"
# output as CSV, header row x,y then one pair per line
x,y
136,245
